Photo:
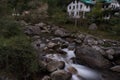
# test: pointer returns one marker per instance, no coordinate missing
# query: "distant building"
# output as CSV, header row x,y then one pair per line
x,y
77,9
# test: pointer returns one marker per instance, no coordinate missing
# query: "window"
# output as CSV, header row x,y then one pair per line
x,y
77,6
80,6
87,6
69,7
73,7
72,14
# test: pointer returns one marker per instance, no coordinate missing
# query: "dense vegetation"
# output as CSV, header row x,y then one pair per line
x,y
17,57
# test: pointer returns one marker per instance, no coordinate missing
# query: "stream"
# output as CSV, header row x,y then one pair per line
x,y
79,72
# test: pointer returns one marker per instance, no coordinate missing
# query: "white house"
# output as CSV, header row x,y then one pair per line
x,y
76,8
114,5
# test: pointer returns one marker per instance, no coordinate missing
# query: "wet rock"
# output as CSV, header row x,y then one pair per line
x,y
61,52
116,68
91,57
61,32
61,75
71,46
64,45
93,26
46,78
72,70
54,65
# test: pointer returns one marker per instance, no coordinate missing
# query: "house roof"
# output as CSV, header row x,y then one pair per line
x,y
88,1
106,1
94,1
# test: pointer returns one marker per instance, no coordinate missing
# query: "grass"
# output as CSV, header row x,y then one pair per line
x,y
98,33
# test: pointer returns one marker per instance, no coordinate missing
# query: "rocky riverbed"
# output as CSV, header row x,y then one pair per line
x,y
78,56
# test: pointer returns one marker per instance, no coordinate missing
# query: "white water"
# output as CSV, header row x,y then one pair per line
x,y
82,71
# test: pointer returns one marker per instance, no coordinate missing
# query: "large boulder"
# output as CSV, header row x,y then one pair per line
x,y
61,75
91,57
93,26
54,65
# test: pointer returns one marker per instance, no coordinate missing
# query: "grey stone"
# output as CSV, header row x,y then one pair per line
x,y
116,68
54,65
61,32
61,75
93,26
46,78
91,57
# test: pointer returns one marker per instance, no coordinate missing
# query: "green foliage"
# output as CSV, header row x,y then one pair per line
x,y
96,14
16,54
9,28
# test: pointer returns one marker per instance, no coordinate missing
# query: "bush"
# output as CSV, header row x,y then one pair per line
x,y
9,28
16,54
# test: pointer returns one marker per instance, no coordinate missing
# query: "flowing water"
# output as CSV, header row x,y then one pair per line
x,y
79,72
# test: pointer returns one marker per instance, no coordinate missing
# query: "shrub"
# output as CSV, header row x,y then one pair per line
x,y
16,54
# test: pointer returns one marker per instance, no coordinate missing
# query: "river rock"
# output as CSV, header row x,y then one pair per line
x,y
91,57
116,68
32,30
60,51
51,44
41,24
90,40
81,36
110,53
54,65
61,32
72,70
46,78
61,75
36,44
71,46
78,41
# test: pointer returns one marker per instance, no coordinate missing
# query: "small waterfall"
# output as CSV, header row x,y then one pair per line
x,y
79,72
